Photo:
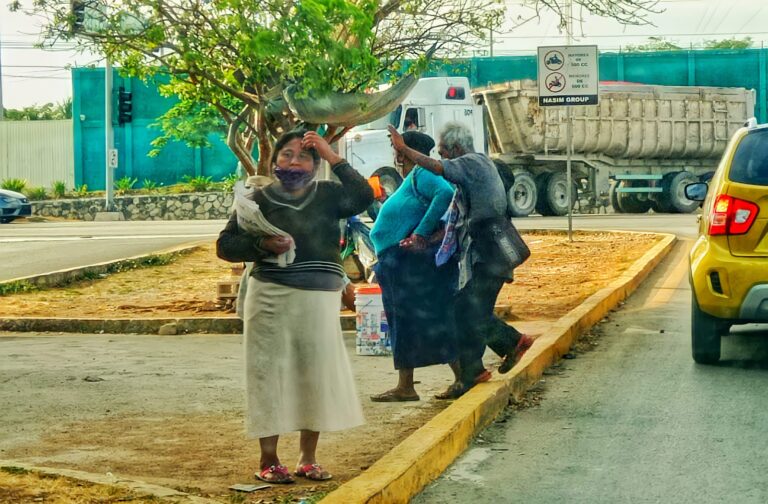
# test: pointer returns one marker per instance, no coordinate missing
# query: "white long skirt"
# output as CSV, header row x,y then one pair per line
x,y
298,374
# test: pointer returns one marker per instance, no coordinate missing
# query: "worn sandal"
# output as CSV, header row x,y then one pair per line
x,y
523,344
455,391
393,396
275,474
313,472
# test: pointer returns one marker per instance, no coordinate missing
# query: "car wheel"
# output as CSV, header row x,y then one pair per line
x,y
706,332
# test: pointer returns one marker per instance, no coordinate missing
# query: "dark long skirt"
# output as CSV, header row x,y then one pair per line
x,y
419,302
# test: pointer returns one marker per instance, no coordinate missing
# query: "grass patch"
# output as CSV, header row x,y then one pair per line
x,y
17,287
150,261
14,470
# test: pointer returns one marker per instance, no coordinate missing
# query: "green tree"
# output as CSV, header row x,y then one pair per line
x,y
731,43
47,111
653,44
265,66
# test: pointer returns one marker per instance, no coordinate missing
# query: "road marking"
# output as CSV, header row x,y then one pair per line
x,y
671,284
122,237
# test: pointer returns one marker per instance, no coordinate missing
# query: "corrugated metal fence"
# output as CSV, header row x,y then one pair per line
x,y
39,151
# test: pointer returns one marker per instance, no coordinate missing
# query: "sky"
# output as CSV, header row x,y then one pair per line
x,y
34,76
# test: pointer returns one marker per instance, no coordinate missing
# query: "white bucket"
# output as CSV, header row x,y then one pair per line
x,y
372,328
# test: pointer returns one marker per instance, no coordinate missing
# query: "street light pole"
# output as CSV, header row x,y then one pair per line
x,y
569,133
109,142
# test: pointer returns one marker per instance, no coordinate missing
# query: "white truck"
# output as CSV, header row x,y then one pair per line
x,y
638,148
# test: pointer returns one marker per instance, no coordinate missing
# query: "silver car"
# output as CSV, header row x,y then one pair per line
x,y
13,205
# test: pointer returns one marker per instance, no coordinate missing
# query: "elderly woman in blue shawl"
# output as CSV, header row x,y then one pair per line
x,y
418,295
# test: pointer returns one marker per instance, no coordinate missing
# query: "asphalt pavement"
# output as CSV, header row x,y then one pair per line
x,y
635,420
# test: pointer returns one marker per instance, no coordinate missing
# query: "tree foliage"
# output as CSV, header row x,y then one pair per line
x,y
238,57
653,44
662,44
47,111
731,43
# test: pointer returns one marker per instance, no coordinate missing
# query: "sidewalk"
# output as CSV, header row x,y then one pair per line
x,y
168,410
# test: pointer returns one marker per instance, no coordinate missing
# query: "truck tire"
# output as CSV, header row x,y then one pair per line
x,y
390,180
554,195
614,195
632,203
675,192
660,201
522,196
706,332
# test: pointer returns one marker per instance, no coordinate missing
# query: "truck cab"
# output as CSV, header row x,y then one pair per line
x,y
433,102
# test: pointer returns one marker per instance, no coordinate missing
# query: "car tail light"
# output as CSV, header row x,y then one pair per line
x,y
731,216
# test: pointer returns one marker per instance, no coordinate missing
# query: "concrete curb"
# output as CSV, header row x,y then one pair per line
x,y
192,325
65,276
106,479
425,454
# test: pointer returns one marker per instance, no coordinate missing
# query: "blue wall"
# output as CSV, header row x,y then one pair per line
x,y
730,68
132,140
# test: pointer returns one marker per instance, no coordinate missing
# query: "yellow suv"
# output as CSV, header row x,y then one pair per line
x,y
729,261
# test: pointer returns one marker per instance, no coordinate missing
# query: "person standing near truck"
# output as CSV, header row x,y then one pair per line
x,y
418,295
479,195
298,373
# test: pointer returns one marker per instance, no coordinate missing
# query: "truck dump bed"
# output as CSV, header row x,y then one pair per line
x,y
632,121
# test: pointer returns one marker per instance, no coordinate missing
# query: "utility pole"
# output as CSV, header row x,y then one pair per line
x,y
109,136
491,41
569,133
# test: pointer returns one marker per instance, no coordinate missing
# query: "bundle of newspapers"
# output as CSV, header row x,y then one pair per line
x,y
251,220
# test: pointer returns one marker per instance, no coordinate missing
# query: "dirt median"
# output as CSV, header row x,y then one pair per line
x,y
169,410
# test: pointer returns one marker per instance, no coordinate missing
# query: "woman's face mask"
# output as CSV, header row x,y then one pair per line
x,y
292,179
295,167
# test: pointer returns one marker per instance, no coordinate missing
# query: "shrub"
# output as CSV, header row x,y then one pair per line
x,y
124,185
59,189
81,191
228,182
14,184
149,185
199,183
37,193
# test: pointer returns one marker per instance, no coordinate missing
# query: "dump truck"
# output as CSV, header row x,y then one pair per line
x,y
637,149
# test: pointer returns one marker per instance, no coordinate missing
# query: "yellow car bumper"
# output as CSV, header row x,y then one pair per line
x,y
726,286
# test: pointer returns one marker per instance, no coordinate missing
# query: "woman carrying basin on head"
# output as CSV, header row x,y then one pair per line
x,y
298,374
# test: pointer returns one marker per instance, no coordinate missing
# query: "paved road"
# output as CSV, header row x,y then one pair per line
x,y
28,248
633,421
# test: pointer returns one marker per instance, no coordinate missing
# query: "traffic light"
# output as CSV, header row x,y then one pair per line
x,y
124,106
78,15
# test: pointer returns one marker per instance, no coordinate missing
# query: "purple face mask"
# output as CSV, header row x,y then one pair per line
x,y
293,179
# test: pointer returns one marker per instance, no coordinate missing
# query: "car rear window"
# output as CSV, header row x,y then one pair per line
x,y
750,163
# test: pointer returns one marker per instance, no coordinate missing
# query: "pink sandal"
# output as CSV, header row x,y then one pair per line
x,y
523,344
313,472
277,474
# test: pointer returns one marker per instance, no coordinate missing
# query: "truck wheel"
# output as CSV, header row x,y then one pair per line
x,y
614,194
660,201
541,188
555,196
390,180
522,196
675,192
705,335
632,203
